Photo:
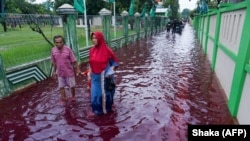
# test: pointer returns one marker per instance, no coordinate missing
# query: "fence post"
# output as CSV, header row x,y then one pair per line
x,y
146,25
106,23
124,15
196,23
137,24
152,26
69,27
157,24
162,23
4,85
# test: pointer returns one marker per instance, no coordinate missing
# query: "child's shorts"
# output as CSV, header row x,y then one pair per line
x,y
66,81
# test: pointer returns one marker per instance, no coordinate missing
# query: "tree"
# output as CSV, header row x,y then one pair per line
x,y
2,16
192,13
93,7
49,5
36,28
24,7
174,6
185,13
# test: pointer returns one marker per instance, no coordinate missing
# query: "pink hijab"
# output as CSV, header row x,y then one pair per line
x,y
100,54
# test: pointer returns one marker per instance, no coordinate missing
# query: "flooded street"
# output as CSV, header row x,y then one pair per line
x,y
164,83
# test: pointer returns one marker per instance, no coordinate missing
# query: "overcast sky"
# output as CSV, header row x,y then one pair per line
x,y
187,4
183,4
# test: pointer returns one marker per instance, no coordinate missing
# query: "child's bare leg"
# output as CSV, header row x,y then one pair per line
x,y
73,93
63,95
88,88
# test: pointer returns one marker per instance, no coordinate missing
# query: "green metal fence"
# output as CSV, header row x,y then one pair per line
x,y
35,70
225,38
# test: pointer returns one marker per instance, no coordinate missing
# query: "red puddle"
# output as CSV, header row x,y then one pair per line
x,y
164,83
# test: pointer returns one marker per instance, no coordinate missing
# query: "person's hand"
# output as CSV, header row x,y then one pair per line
x,y
84,73
88,76
54,75
115,68
78,72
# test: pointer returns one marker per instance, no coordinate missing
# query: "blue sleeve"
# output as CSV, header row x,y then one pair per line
x,y
113,63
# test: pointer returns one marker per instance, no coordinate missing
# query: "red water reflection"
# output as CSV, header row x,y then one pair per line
x,y
164,83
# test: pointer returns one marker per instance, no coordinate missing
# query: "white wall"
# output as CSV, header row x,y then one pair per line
x,y
230,33
244,112
224,69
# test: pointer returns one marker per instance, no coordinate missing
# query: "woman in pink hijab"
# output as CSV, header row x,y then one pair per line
x,y
102,63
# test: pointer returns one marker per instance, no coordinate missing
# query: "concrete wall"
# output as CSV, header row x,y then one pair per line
x,y
227,45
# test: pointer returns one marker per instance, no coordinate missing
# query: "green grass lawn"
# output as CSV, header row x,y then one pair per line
x,y
19,46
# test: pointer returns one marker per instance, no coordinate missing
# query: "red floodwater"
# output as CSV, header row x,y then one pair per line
x,y
164,83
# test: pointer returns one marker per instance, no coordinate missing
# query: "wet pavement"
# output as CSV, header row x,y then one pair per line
x,y
164,83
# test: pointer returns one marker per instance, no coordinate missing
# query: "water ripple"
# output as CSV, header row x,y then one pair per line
x,y
164,83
